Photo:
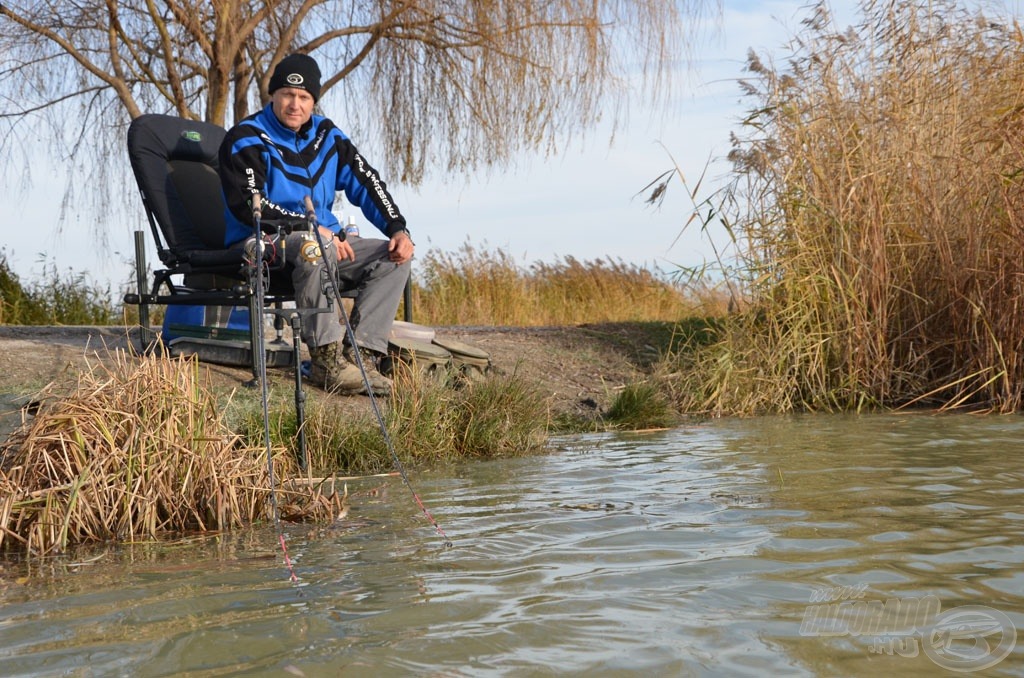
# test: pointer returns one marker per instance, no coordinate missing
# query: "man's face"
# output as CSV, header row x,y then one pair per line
x,y
293,107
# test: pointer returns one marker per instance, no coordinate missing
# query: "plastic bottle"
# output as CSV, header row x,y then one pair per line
x,y
351,228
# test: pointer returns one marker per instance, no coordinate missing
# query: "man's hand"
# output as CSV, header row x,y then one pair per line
x,y
342,250
400,248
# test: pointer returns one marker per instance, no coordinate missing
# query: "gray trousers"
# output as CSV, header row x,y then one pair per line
x,y
378,283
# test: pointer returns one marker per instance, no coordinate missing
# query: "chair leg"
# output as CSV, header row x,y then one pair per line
x,y
407,298
147,338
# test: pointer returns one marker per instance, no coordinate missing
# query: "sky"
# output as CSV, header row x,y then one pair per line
x,y
583,203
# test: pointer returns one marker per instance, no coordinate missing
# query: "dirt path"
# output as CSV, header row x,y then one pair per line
x,y
579,368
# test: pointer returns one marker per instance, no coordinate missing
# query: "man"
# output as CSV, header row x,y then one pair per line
x,y
285,153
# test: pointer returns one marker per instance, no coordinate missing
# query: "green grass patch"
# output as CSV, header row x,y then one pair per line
x,y
58,299
431,418
641,406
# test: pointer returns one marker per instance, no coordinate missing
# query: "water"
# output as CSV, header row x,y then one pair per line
x,y
695,551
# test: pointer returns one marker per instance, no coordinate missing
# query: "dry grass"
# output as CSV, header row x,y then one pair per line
x,y
136,451
479,287
884,181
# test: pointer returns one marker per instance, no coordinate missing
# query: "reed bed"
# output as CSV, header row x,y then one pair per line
x,y
883,181
137,450
479,287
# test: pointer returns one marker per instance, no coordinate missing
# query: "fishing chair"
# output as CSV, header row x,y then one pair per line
x,y
175,165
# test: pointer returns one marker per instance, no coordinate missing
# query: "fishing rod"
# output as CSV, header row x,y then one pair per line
x,y
259,357
313,226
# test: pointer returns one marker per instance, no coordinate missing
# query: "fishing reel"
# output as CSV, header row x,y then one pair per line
x,y
264,248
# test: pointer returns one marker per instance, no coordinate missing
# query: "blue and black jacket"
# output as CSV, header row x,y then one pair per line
x,y
259,154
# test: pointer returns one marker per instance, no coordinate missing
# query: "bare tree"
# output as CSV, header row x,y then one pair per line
x,y
455,85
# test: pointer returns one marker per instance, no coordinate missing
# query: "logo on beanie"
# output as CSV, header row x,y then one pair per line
x,y
294,79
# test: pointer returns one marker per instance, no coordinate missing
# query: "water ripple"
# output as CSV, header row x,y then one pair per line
x,y
696,551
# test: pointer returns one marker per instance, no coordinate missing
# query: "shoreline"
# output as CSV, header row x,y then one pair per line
x,y
579,368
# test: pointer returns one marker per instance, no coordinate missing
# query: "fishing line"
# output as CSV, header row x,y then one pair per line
x,y
259,356
312,221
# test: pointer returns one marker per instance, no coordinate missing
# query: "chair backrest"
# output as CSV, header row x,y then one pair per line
x,y
175,166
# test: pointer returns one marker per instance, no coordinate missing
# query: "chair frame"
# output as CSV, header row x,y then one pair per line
x,y
196,256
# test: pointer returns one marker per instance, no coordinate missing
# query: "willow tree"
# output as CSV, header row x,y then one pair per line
x,y
452,85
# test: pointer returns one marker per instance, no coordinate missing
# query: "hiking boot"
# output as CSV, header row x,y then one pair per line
x,y
380,384
329,370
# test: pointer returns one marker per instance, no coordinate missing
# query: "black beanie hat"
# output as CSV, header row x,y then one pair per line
x,y
299,71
